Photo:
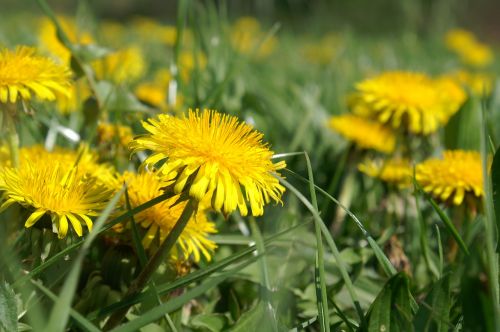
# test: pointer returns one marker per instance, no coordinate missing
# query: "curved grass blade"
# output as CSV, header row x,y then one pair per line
x,y
60,255
174,304
379,254
60,312
323,312
79,319
192,277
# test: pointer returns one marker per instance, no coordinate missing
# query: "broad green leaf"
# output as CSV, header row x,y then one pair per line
x,y
436,316
392,309
210,322
8,308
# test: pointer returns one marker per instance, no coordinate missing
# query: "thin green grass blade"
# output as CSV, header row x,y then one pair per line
x,y
323,312
379,254
136,240
491,230
444,218
174,304
193,277
331,243
265,292
60,312
79,319
63,253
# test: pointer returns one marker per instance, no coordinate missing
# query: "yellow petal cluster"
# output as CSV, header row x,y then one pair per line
x,y
49,41
122,66
63,192
247,37
397,171
479,84
412,101
161,218
457,174
23,74
468,48
214,158
109,133
364,133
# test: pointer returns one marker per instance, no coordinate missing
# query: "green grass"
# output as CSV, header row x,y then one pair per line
x,y
324,260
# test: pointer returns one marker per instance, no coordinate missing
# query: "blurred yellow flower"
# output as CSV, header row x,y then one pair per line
x,y
214,158
363,132
58,190
247,37
479,84
397,171
161,218
322,51
49,41
122,66
188,62
108,133
457,175
153,94
79,91
468,48
150,29
24,74
408,100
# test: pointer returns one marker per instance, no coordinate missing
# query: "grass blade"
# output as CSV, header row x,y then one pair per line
x,y
60,312
444,218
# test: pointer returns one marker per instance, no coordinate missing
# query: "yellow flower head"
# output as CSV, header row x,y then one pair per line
x,y
213,157
408,100
246,36
78,93
155,31
459,173
55,189
322,51
85,159
189,62
468,48
108,133
153,94
24,74
49,41
161,218
125,65
363,132
393,171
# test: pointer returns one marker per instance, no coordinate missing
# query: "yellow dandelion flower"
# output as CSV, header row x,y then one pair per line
x,y
107,133
397,171
125,65
213,157
54,189
246,36
189,62
152,30
78,93
85,159
323,51
24,74
49,41
408,100
161,218
468,48
363,132
152,94
457,174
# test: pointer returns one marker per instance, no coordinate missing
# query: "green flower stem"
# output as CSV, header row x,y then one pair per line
x,y
12,136
160,256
